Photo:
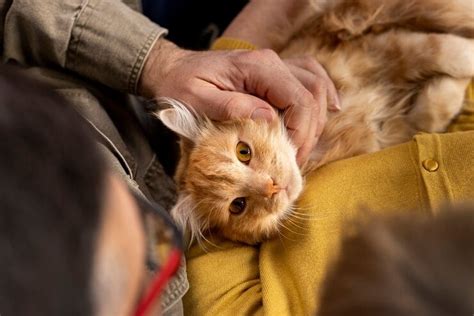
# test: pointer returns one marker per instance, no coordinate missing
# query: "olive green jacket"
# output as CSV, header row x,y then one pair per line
x,y
92,52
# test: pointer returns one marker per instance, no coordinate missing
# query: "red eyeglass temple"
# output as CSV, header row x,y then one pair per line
x,y
159,282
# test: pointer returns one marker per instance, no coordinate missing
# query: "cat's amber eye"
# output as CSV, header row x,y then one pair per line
x,y
244,154
238,206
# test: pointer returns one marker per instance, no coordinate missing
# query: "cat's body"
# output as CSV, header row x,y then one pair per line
x,y
391,86
395,77
392,83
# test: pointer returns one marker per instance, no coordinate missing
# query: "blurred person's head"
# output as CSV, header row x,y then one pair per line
x,y
408,265
71,240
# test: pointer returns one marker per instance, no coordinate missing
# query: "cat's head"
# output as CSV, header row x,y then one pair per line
x,y
237,178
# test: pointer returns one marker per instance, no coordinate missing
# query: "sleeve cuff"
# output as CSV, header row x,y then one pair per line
x,y
228,43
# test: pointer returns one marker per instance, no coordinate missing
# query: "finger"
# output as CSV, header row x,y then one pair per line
x,y
307,78
222,105
322,119
298,121
333,99
315,131
311,65
310,81
266,76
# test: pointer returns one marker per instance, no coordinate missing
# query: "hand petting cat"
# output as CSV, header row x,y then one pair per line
x,y
226,85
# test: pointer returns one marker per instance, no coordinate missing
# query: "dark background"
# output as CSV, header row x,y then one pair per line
x,y
193,24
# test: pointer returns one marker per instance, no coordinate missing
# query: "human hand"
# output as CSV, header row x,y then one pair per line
x,y
237,84
315,78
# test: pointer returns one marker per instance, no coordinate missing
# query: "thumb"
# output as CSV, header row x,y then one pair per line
x,y
227,105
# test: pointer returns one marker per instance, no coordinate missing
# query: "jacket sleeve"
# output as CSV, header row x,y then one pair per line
x,y
102,40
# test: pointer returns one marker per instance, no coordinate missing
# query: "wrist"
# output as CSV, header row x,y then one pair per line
x,y
162,57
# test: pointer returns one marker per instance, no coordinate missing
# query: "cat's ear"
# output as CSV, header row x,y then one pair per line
x,y
179,119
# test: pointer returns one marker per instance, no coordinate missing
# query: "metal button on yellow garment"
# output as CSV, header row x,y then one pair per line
x,y
430,165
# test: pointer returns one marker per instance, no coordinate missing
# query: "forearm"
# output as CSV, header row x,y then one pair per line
x,y
102,40
269,23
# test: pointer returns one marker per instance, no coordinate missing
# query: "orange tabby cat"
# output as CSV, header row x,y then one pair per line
x,y
400,66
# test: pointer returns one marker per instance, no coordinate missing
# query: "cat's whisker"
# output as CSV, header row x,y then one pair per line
x,y
203,238
279,236
303,229
283,234
195,232
301,215
304,212
208,220
295,217
301,207
202,245
212,243
206,240
285,237
195,237
309,218
292,231
296,223
206,227
303,219
295,213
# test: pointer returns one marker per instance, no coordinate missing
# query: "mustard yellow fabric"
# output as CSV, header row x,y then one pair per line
x,y
282,276
465,120
228,43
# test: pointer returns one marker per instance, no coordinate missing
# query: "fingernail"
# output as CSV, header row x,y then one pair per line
x,y
334,104
300,160
316,140
338,102
262,113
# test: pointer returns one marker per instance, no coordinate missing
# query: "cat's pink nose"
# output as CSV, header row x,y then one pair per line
x,y
270,189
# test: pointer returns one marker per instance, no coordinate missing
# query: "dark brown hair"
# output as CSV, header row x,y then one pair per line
x,y
412,265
